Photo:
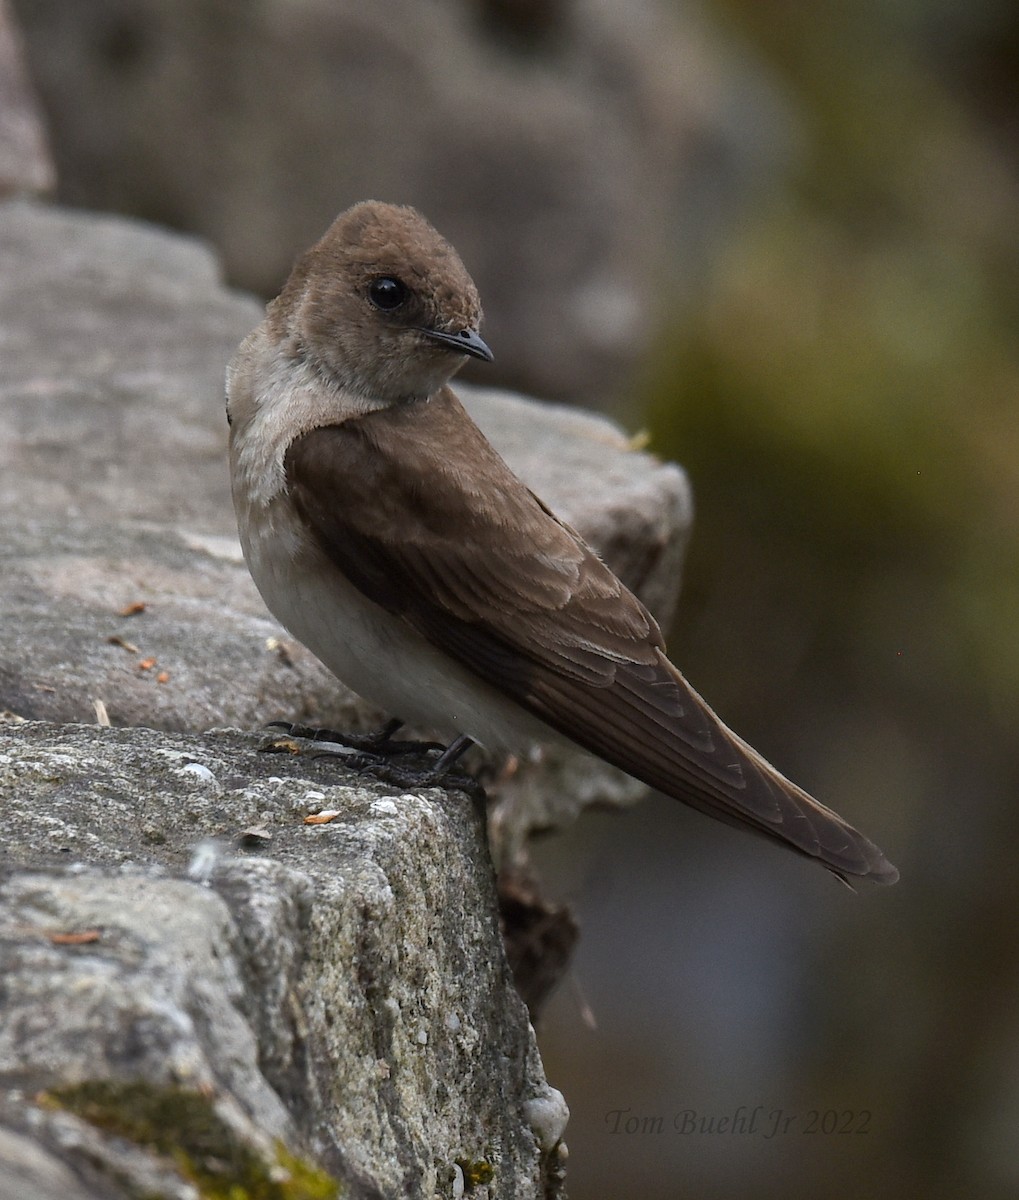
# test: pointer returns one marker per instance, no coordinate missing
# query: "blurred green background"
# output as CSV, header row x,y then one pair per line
x,y
793,234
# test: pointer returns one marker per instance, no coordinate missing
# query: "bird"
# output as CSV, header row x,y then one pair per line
x,y
385,532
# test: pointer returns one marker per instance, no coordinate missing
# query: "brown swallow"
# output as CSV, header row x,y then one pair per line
x,y
386,533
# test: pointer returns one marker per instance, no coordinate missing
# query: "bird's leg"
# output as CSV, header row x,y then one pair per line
x,y
379,742
435,774
455,750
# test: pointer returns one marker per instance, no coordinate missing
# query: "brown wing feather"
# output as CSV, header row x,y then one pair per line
x,y
486,573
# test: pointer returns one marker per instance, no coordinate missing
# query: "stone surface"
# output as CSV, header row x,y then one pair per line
x,y
25,163
113,478
337,988
579,153
26,1170
114,338
203,652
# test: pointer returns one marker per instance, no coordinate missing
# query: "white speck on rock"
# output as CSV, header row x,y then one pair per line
x,y
198,771
167,752
547,1116
203,861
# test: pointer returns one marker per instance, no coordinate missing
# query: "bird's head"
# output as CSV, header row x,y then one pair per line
x,y
381,305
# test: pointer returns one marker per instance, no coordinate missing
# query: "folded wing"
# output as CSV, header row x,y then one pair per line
x,y
485,572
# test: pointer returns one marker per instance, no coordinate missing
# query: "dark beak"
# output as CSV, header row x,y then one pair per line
x,y
467,341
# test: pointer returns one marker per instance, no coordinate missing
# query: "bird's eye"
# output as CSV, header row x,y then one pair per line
x,y
387,293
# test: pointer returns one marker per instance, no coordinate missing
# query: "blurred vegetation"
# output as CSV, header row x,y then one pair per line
x,y
849,386
844,396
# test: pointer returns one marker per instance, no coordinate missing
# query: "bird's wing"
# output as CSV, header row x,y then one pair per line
x,y
417,509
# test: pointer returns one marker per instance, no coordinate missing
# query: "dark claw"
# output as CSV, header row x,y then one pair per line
x,y
410,780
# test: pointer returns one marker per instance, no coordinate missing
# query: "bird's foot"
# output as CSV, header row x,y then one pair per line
x,y
374,754
379,743
412,777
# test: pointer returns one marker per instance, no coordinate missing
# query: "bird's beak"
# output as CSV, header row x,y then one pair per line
x,y
467,341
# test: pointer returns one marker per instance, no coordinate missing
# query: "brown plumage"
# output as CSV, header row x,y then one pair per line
x,y
381,492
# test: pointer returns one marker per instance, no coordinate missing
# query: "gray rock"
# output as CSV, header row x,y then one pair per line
x,y
25,163
26,1170
552,143
204,651
114,338
338,989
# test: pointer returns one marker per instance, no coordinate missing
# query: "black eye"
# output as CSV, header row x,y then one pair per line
x,y
387,293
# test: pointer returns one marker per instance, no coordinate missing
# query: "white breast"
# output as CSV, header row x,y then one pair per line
x,y
372,652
